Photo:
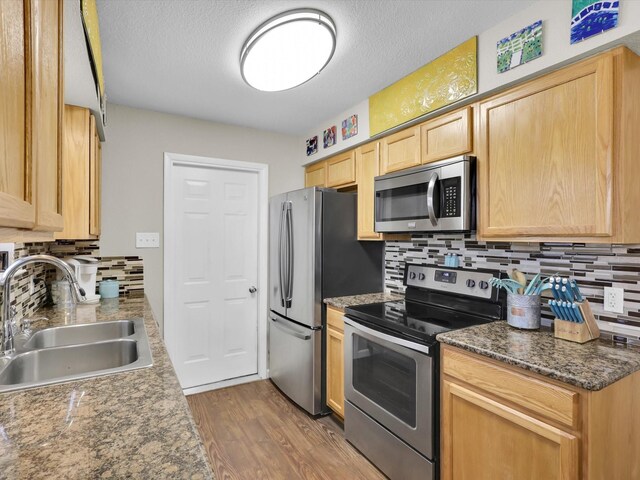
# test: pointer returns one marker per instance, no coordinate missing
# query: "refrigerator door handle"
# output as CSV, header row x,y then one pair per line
x,y
289,296
289,331
281,255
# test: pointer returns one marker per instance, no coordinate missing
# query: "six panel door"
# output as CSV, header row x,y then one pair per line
x,y
212,334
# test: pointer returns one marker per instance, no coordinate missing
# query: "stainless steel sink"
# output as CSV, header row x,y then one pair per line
x,y
50,357
76,334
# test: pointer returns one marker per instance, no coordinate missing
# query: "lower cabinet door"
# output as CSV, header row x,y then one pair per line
x,y
335,370
486,440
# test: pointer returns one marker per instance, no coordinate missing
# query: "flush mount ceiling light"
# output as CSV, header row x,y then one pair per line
x,y
288,50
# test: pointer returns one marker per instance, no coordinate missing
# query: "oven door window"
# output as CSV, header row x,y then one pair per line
x,y
385,377
405,203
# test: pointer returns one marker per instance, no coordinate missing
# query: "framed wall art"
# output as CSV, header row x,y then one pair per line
x,y
312,145
520,47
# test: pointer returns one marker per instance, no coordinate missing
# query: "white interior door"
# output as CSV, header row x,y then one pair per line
x,y
211,332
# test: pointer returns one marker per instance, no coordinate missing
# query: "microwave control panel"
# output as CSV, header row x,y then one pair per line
x,y
450,197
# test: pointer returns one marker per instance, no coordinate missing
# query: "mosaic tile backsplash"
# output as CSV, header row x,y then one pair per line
x,y
593,266
128,271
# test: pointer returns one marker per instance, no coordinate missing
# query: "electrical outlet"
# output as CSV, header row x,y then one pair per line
x,y
32,285
613,300
148,240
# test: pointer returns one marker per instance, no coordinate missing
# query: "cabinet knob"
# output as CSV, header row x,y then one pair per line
x,y
253,289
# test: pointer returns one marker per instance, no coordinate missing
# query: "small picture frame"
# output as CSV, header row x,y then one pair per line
x,y
520,47
350,127
592,17
329,137
312,145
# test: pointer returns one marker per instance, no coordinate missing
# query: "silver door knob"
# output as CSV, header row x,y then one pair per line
x,y
253,290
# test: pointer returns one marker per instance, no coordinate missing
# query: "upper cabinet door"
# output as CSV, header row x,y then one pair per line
x,y
401,150
341,169
546,155
17,208
368,163
76,183
447,136
95,181
48,108
315,175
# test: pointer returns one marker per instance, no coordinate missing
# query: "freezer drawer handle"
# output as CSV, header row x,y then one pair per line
x,y
289,331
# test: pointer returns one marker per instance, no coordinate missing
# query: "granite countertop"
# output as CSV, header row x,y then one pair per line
x,y
351,300
592,365
128,425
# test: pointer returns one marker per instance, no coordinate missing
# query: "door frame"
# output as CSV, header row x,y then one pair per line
x,y
172,160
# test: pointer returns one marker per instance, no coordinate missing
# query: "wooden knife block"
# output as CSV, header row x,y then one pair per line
x,y
578,332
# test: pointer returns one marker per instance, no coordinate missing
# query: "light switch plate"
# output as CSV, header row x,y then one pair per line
x,y
613,300
147,240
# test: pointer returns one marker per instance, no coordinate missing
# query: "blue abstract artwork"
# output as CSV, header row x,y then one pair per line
x,y
591,17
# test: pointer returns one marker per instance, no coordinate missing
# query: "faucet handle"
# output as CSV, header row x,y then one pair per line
x,y
28,322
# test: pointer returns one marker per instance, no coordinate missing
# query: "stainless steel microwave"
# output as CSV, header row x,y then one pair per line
x,y
436,197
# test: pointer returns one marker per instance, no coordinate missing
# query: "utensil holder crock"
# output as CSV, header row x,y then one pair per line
x,y
523,311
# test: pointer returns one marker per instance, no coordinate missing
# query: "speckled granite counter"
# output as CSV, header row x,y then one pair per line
x,y
592,366
129,425
351,300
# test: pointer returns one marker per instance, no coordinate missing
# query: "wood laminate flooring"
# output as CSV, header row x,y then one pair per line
x,y
252,431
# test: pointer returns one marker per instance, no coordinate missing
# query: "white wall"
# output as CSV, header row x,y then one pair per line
x,y
132,185
361,109
557,50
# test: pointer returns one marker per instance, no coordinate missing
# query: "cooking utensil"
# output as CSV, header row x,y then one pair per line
x,y
519,277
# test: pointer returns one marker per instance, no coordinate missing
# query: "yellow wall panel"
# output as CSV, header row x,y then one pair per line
x,y
449,78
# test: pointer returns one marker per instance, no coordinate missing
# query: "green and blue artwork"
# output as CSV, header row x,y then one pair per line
x,y
520,47
591,17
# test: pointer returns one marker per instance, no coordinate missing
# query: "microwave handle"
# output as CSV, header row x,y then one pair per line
x,y
430,193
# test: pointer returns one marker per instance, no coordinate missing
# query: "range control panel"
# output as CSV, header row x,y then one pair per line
x,y
463,282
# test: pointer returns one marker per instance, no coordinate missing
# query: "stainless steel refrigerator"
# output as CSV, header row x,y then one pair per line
x,y
313,254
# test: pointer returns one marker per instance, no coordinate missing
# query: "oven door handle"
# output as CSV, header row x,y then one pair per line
x,y
388,338
430,193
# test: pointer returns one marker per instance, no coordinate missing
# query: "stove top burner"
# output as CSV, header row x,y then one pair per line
x,y
417,321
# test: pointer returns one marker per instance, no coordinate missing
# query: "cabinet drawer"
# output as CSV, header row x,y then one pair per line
x,y
546,399
334,318
341,170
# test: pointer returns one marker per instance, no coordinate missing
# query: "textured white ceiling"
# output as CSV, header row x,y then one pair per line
x,y
181,57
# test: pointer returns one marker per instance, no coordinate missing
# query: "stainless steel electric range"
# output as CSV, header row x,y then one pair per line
x,y
391,365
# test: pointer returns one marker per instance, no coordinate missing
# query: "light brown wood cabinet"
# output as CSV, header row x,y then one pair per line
x,y
48,111
400,150
341,170
316,175
81,175
31,103
557,155
17,202
499,421
447,135
368,166
335,360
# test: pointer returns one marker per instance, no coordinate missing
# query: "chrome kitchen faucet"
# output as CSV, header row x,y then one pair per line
x,y
6,320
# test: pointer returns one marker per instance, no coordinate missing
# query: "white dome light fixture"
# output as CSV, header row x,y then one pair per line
x,y
288,50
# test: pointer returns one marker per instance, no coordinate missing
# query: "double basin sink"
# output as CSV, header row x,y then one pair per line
x,y
73,352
